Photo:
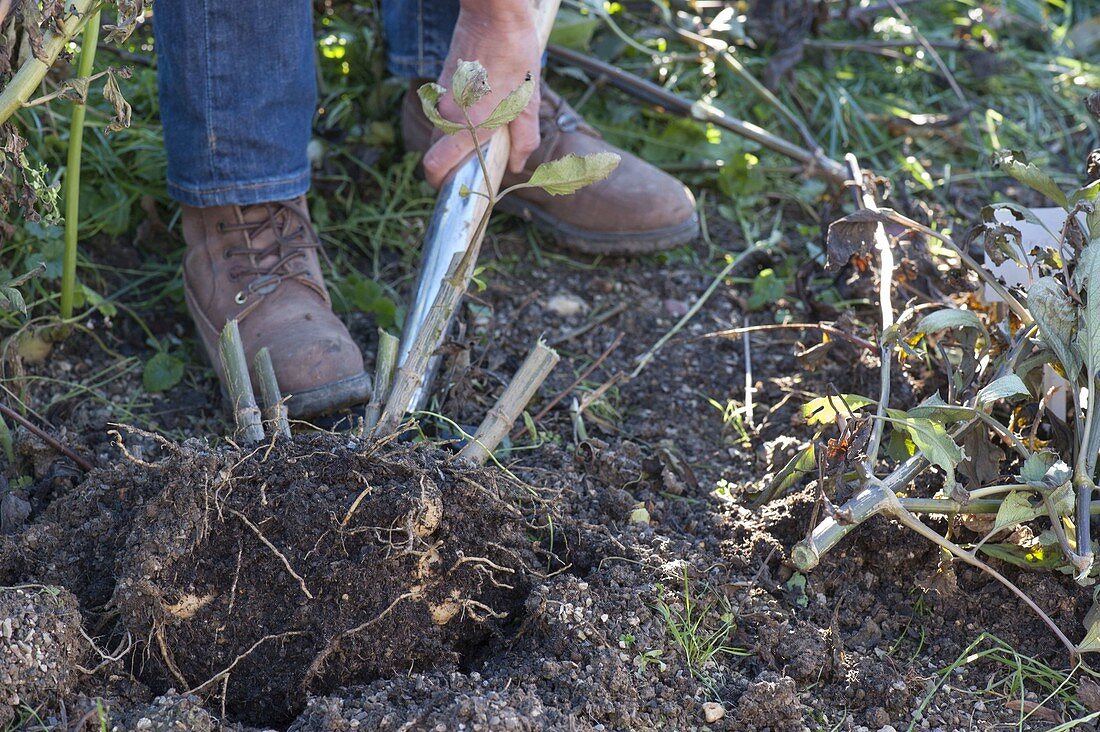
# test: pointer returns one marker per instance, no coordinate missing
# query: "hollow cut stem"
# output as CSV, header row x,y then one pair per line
x,y
246,414
275,411
532,372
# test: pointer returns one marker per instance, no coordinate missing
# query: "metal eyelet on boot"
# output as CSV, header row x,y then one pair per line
x,y
566,122
262,285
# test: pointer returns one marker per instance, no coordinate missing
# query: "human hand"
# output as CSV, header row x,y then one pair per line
x,y
506,44
4,5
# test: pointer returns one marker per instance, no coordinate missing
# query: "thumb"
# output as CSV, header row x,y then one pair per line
x,y
443,157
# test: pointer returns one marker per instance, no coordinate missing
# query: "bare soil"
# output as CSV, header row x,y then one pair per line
x,y
332,584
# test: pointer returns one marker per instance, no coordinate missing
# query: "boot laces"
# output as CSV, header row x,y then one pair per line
x,y
294,237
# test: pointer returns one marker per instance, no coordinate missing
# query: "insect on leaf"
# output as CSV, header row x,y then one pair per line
x,y
430,94
571,173
1056,317
1006,387
511,106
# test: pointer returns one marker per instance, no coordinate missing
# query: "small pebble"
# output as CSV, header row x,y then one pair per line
x,y
713,711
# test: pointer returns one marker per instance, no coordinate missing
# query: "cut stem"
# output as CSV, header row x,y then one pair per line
x,y
879,498
534,370
383,378
72,171
275,412
246,414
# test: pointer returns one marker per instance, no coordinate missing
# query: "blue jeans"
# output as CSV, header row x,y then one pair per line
x,y
238,89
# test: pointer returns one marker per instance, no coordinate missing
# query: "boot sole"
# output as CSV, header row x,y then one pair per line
x,y
310,403
330,397
603,242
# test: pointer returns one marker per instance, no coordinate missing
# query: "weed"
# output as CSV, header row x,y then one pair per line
x,y
1022,679
700,630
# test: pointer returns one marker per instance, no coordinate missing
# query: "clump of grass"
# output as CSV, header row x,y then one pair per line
x,y
702,628
1020,676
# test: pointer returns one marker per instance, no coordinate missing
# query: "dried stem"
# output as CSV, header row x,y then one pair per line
x,y
534,370
886,307
519,431
815,160
237,382
45,437
275,411
823,327
383,378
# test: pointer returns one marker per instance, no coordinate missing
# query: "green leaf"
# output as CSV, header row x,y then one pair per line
x,y
948,318
1045,471
6,442
1056,316
1091,642
1006,387
803,463
571,173
12,299
823,410
934,408
573,30
470,83
937,446
1016,509
900,446
1027,558
511,106
1016,165
162,372
430,94
767,287
357,293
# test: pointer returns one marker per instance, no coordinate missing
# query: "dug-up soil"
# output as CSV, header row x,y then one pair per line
x,y
328,583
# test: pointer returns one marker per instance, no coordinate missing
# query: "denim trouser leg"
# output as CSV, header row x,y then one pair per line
x,y
237,93
418,34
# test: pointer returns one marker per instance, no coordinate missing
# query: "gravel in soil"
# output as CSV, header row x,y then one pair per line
x,y
446,597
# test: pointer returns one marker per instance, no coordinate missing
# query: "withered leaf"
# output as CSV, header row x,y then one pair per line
x,y
983,464
854,234
113,95
129,13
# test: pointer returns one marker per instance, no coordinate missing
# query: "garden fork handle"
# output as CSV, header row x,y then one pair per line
x,y
453,229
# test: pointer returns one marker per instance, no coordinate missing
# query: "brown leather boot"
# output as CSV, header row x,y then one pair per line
x,y
638,209
259,264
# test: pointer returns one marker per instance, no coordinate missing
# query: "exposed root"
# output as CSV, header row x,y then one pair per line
x,y
166,656
319,661
224,673
274,550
